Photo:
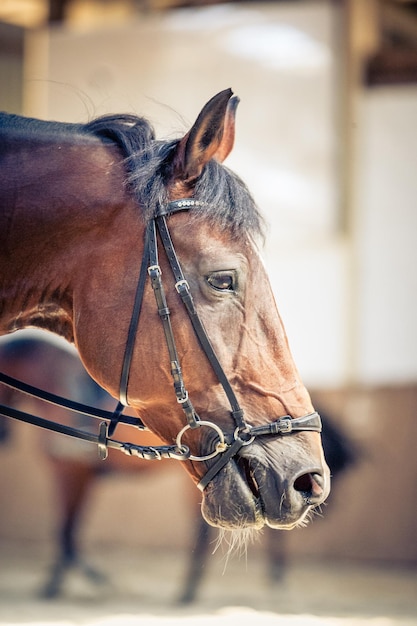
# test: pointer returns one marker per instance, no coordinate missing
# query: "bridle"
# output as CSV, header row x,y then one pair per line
x,y
227,446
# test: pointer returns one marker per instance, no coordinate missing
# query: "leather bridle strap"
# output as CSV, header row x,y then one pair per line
x,y
66,403
131,335
134,321
148,453
183,290
164,313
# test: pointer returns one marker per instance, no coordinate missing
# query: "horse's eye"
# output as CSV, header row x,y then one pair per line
x,y
222,281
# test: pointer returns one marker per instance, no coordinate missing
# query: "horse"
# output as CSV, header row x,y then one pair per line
x,y
84,209
39,360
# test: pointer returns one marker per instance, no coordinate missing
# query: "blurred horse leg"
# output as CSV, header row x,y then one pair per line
x,y
340,454
197,562
73,479
275,543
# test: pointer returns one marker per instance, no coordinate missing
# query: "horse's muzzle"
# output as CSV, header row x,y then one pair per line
x,y
248,493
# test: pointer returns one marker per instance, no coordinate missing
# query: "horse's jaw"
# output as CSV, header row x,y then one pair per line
x,y
249,492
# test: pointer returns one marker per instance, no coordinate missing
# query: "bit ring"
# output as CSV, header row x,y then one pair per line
x,y
220,447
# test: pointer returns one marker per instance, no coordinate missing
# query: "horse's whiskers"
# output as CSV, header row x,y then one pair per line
x,y
235,542
315,512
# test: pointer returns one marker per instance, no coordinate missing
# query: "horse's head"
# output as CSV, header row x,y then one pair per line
x,y
275,478
213,329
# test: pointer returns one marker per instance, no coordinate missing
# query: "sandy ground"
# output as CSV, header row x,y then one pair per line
x,y
145,593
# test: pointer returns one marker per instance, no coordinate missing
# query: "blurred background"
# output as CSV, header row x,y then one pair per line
x,y
327,143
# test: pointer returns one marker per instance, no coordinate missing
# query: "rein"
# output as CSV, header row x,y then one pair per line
x,y
227,446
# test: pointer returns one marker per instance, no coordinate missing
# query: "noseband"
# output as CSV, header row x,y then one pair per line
x,y
227,446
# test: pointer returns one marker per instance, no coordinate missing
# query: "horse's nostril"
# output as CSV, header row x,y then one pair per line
x,y
303,483
310,484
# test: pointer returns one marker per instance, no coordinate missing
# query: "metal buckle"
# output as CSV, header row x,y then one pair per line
x,y
285,425
102,441
154,268
183,400
180,283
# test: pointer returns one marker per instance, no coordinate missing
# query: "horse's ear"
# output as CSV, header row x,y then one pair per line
x,y
228,139
210,136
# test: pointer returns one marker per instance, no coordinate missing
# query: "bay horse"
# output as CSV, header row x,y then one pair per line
x,y
80,205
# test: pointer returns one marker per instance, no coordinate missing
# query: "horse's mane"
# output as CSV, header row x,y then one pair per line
x,y
228,201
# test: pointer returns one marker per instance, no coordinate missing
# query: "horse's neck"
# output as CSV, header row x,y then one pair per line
x,y
56,197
